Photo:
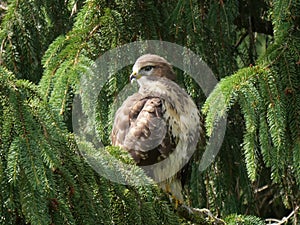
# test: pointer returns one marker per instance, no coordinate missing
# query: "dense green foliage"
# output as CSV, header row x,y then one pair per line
x,y
45,181
252,48
268,95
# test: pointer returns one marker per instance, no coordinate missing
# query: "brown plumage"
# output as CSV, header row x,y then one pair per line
x,y
160,125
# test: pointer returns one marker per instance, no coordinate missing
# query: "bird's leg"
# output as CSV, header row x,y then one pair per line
x,y
173,199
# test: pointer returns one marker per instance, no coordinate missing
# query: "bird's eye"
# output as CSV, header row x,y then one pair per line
x,y
148,68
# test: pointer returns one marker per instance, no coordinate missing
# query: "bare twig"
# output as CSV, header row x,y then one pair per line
x,y
3,7
283,220
188,212
257,190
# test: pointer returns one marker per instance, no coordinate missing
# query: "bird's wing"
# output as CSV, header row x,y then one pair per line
x,y
121,124
140,128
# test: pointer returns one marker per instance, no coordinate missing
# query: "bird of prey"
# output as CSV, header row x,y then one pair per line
x,y
159,125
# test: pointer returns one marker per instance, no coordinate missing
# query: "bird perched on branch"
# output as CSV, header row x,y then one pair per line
x,y
159,125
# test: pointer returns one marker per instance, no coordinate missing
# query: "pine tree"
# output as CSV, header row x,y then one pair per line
x,y
267,95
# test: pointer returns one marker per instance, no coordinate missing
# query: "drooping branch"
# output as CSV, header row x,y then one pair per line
x,y
252,14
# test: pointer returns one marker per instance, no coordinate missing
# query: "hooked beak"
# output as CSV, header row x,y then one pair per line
x,y
134,76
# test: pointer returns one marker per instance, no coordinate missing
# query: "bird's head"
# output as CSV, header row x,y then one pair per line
x,y
151,65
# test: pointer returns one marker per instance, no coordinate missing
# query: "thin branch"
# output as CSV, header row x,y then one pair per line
x,y
241,39
189,213
283,220
3,7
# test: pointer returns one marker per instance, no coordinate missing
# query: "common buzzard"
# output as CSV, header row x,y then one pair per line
x,y
159,125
